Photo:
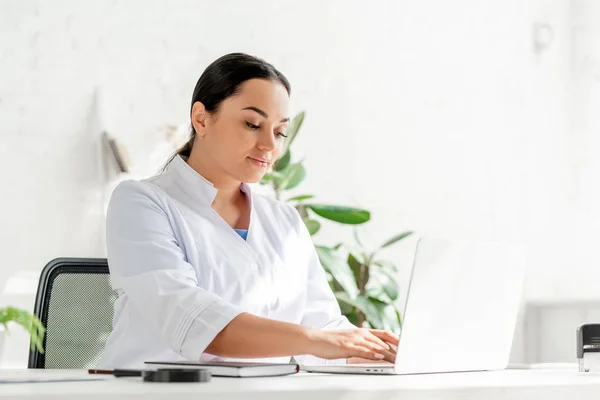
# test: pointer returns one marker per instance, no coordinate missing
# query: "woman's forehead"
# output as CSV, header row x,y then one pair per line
x,y
269,96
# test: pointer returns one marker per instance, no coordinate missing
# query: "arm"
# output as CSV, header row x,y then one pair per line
x,y
250,336
147,263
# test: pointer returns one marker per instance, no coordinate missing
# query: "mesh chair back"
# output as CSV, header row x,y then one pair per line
x,y
75,303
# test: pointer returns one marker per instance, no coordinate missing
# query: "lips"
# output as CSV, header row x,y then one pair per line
x,y
262,160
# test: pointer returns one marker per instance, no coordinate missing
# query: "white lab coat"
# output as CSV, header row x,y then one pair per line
x,y
182,273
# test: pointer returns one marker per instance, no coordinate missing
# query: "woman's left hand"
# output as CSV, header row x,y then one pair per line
x,y
391,339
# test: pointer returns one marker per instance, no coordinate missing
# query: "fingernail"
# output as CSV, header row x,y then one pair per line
x,y
379,356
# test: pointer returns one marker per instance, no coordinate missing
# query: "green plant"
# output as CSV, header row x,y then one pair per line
x,y
364,285
28,321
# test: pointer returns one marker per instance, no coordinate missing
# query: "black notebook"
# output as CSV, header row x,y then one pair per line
x,y
232,369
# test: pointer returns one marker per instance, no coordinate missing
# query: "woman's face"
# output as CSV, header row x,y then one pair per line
x,y
245,136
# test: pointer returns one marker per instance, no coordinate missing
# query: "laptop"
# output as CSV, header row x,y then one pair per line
x,y
461,310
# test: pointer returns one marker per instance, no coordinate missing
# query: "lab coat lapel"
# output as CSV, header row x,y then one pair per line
x,y
260,235
246,248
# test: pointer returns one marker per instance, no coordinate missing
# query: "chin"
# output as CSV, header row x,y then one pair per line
x,y
250,177
253,179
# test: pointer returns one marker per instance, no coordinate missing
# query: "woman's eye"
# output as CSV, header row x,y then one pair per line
x,y
254,127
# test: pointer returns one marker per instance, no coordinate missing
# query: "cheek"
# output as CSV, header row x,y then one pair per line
x,y
232,137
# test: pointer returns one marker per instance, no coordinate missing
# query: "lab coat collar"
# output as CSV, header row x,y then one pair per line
x,y
194,184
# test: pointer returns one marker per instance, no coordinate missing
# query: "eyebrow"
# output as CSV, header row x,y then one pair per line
x,y
264,114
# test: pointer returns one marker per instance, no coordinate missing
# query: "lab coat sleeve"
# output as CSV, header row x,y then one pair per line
x,y
321,310
148,265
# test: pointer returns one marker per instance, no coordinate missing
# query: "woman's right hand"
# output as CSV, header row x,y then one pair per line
x,y
370,344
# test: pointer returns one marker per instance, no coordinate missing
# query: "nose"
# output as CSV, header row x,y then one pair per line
x,y
266,140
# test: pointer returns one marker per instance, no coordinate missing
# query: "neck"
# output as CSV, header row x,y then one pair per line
x,y
228,189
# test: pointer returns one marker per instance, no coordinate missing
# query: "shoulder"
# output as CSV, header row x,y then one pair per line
x,y
137,209
135,194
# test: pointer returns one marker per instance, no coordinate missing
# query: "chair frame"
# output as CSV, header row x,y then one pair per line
x,y
42,300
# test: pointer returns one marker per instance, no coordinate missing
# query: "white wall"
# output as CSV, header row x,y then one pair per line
x,y
437,116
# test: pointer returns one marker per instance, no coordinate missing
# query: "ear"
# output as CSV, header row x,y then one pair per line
x,y
199,117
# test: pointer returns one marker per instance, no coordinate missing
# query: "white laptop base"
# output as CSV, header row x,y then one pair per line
x,y
363,369
461,310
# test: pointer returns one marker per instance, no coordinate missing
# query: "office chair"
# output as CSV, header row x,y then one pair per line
x,y
75,303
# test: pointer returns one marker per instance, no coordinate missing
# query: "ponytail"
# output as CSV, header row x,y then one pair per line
x,y
186,149
183,151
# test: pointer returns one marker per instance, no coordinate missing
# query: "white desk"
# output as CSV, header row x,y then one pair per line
x,y
510,384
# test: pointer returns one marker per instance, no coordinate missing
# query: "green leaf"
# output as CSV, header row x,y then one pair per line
x,y
292,177
353,317
389,316
386,282
370,307
301,197
336,265
283,161
343,297
341,214
28,321
379,315
376,291
268,177
329,277
277,178
354,265
292,130
396,239
313,226
302,211
386,264
357,236
399,319
382,315
360,257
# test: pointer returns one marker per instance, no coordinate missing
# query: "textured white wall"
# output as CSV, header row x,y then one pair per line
x,y
437,116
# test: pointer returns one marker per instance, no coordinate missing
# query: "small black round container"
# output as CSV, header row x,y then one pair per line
x,y
176,375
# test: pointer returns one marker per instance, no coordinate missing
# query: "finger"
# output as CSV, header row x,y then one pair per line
x,y
389,356
366,353
374,339
375,347
386,336
388,351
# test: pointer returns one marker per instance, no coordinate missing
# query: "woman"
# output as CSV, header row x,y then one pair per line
x,y
207,270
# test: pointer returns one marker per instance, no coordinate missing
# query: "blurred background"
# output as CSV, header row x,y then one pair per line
x,y
466,119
